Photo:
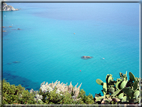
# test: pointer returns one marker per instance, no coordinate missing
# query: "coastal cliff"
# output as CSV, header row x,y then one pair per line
x,y
8,7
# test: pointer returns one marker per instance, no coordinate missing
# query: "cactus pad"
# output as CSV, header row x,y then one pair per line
x,y
100,82
117,84
123,84
124,99
128,91
132,77
136,93
135,85
121,96
104,88
115,93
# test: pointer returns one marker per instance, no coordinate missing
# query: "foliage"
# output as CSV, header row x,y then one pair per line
x,y
16,94
121,91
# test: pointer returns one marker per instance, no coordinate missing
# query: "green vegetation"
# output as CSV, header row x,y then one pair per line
x,y
121,91
16,94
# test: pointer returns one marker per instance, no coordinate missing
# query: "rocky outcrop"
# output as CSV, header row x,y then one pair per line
x,y
8,7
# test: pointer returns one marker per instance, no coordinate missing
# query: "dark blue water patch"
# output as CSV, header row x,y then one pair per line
x,y
5,33
24,82
9,63
14,62
6,39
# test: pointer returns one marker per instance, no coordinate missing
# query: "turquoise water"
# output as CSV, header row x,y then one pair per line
x,y
48,49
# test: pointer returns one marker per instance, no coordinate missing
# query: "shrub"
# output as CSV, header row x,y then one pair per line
x,y
16,94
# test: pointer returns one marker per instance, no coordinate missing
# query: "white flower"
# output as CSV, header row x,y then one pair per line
x,y
38,96
73,97
39,99
43,88
58,91
50,89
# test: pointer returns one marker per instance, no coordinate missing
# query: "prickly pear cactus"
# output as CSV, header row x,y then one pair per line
x,y
121,90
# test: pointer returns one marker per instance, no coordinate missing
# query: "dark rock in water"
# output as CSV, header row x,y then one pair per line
x,y
18,29
86,57
16,62
8,7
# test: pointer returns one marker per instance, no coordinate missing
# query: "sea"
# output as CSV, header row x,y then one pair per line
x,y
54,36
